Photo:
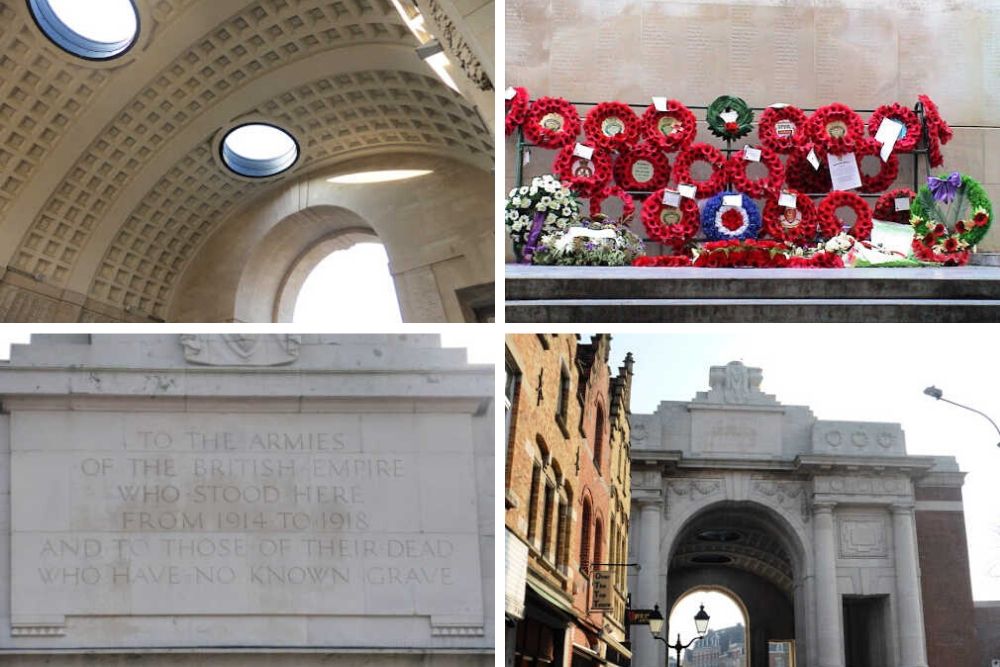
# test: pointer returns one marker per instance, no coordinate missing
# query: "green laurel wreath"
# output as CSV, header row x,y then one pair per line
x,y
744,118
925,213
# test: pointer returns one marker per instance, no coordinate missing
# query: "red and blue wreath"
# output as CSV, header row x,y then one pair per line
x,y
722,222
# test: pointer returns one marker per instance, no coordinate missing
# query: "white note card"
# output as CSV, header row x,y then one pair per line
x,y
586,152
687,191
732,200
660,103
787,199
813,160
751,154
887,135
729,116
844,171
902,204
672,198
509,94
527,157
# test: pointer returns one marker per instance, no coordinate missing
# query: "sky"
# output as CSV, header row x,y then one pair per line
x,y
721,610
353,283
858,372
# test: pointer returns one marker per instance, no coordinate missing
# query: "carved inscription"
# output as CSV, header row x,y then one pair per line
x,y
292,514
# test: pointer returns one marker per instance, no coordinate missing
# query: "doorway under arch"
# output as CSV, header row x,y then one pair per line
x,y
726,644
745,549
351,280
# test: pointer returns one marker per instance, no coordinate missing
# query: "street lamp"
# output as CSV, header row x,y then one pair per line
x,y
656,624
937,394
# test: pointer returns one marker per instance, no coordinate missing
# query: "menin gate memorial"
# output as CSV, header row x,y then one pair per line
x,y
267,492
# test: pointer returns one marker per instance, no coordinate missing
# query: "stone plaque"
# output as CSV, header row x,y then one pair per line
x,y
187,513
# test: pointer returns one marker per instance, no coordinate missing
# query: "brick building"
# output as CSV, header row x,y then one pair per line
x,y
567,499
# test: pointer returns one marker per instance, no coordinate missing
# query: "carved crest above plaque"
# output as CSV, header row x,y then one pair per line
x,y
241,349
735,384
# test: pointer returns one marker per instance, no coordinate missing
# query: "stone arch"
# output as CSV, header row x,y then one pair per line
x,y
787,531
733,595
432,256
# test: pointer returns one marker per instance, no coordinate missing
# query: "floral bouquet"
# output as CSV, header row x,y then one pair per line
x,y
950,215
543,207
596,242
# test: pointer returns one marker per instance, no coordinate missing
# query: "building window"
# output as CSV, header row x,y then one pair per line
x,y
511,388
536,476
598,539
560,536
598,436
92,30
585,537
562,551
562,405
547,522
259,150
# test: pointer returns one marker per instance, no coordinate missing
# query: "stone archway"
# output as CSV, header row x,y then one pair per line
x,y
826,509
743,549
435,230
716,592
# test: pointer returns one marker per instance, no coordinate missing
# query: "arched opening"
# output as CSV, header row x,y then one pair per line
x,y
598,435
751,553
725,644
585,520
351,283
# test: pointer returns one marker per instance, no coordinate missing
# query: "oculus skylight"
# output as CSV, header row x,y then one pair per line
x,y
95,30
259,150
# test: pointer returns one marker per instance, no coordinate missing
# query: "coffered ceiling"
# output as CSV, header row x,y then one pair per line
x,y
110,179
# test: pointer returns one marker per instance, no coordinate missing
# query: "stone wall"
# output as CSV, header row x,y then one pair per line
x,y
988,632
267,493
859,52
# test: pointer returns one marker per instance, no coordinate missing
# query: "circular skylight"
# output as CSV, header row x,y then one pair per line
x,y
258,150
96,29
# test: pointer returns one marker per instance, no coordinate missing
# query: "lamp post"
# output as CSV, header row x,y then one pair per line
x,y
656,624
937,394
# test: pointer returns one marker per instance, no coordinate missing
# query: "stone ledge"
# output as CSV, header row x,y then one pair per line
x,y
759,310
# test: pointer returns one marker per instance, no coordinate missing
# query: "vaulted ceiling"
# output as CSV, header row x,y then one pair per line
x,y
110,179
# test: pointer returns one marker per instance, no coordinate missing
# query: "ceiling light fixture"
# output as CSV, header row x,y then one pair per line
x,y
259,150
384,176
94,30
433,54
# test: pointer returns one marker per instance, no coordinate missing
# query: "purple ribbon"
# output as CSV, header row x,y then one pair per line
x,y
531,245
945,189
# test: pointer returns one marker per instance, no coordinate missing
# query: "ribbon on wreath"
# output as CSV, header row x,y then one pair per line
x,y
944,189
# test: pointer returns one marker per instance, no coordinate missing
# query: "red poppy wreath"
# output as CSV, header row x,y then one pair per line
x,y
552,122
612,125
670,225
887,171
831,225
644,168
885,207
938,131
516,109
903,115
784,223
628,204
781,128
736,170
801,176
702,153
583,176
672,130
835,129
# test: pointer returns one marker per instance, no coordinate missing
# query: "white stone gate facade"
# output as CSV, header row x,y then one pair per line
x,y
821,510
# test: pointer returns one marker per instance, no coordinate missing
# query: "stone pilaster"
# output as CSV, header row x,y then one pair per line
x,y
909,611
829,635
649,592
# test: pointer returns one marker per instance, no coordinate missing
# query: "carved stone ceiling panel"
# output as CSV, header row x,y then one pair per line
x,y
44,95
